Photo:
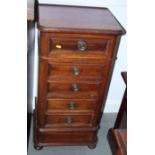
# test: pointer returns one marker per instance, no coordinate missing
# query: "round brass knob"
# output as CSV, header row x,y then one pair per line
x,y
69,120
76,71
75,87
71,106
81,45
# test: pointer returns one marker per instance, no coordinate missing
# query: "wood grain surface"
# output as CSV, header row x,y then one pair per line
x,y
69,100
78,19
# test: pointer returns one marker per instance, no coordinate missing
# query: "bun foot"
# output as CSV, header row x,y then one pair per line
x,y
38,147
92,146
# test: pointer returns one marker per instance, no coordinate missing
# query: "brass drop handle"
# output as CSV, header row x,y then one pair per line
x,y
76,71
81,45
71,106
75,87
69,120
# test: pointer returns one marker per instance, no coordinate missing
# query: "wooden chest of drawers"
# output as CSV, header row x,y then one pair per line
x,y
77,51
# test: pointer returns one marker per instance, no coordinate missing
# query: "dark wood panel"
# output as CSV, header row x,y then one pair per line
x,y
71,86
72,90
77,45
66,138
118,141
69,120
59,18
76,71
71,105
72,95
121,120
69,48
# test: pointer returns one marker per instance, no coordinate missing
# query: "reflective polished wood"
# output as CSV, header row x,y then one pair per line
x,y
77,52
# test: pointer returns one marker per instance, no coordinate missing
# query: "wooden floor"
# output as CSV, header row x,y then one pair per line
x,y
101,149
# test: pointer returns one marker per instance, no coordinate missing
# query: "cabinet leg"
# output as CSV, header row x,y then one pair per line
x,y
38,147
93,146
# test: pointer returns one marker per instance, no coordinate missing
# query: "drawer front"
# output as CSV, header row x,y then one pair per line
x,y
68,120
67,137
73,89
71,105
76,46
78,86
73,45
75,70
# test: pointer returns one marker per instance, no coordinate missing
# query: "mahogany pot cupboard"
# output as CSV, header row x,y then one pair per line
x,y
77,52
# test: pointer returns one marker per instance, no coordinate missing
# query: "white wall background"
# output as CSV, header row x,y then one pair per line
x,y
117,86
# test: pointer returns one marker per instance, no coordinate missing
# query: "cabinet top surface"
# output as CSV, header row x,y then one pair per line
x,y
77,19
